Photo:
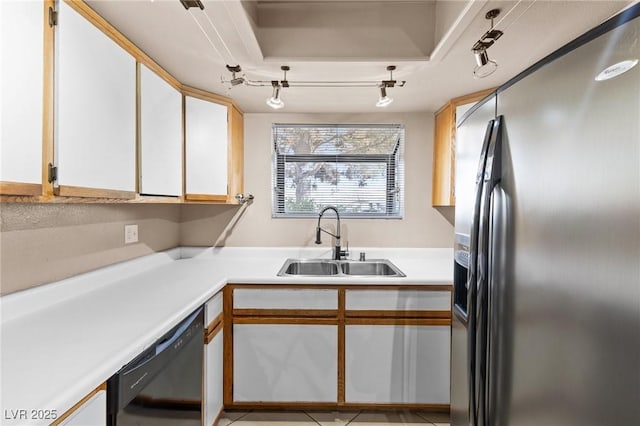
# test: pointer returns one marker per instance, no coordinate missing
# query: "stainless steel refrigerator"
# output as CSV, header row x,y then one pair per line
x,y
546,327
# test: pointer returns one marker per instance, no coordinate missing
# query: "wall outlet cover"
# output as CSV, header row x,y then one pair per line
x,y
130,234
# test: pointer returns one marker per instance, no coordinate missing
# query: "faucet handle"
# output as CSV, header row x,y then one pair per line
x,y
344,253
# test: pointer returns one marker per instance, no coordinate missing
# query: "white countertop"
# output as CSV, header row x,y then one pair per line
x,y
60,341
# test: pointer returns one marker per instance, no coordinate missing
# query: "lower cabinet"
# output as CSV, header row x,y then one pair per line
x,y
213,386
285,363
213,354
337,346
397,364
92,411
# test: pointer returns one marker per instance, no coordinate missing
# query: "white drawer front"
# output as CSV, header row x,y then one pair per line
x,y
398,300
212,308
285,299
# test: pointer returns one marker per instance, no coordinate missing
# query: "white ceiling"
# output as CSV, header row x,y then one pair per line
x,y
429,42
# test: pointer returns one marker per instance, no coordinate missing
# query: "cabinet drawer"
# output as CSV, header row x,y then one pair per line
x,y
398,300
212,308
298,299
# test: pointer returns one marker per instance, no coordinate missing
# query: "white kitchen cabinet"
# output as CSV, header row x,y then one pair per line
x,y
397,364
21,76
285,363
160,136
213,381
95,115
92,413
213,360
206,150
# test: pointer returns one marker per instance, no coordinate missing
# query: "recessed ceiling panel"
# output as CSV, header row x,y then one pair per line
x,y
348,30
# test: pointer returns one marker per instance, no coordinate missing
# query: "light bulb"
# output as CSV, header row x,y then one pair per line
x,y
384,100
274,101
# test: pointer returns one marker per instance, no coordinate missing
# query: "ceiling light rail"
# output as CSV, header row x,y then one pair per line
x,y
275,101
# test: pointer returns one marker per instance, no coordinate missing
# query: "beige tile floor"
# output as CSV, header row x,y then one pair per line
x,y
337,418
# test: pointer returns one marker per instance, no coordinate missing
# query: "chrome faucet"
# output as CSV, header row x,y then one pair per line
x,y
338,253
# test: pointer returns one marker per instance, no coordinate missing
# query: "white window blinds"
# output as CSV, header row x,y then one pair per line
x,y
359,169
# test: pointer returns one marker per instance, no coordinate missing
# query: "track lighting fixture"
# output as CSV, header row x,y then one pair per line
x,y
235,80
384,100
484,65
276,102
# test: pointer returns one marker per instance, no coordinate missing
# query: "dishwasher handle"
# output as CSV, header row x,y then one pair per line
x,y
170,339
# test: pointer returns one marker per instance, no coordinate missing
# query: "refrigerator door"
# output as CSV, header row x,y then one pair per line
x,y
472,137
571,172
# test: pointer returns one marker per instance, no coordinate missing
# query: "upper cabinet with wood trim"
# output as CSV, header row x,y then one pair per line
x,y
95,141
21,44
118,129
160,126
444,148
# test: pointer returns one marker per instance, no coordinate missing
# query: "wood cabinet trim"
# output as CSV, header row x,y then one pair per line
x,y
227,346
206,197
341,346
19,188
214,327
48,102
70,411
349,287
208,96
297,406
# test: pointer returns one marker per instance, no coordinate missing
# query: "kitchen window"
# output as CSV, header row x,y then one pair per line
x,y
357,168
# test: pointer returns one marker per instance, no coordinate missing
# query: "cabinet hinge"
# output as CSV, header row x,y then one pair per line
x,y
53,173
53,17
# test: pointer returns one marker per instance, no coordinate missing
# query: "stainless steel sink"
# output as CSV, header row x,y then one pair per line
x,y
309,267
371,267
326,267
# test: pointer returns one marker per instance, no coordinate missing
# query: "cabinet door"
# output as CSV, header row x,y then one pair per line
x,y
160,136
21,76
91,413
285,363
206,149
397,364
213,383
95,111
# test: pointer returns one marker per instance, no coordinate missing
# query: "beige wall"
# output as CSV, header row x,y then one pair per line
x,y
40,243
422,226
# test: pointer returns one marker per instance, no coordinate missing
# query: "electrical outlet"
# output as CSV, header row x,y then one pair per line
x,y
130,234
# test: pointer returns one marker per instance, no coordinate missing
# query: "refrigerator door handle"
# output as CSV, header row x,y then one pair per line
x,y
472,275
492,175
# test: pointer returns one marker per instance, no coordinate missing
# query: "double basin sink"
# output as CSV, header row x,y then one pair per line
x,y
326,267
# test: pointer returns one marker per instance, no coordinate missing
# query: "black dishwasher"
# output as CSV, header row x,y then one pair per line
x,y
164,382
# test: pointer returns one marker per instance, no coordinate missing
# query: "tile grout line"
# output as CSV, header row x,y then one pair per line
x,y
417,413
311,417
244,415
354,417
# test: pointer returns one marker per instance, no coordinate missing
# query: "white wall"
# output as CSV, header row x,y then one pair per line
x,y
422,225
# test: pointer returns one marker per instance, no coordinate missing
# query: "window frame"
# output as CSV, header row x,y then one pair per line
x,y
394,202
